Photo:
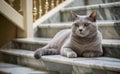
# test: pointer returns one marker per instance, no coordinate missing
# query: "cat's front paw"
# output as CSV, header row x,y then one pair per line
x,y
37,55
71,55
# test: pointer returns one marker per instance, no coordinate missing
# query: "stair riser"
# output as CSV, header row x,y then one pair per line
x,y
111,51
27,46
109,31
60,68
67,17
49,32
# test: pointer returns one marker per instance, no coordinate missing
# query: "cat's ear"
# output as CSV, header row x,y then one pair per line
x,y
74,15
93,15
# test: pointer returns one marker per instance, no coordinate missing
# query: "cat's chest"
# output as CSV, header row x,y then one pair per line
x,y
77,46
81,45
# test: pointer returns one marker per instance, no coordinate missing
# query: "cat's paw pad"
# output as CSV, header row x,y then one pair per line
x,y
71,55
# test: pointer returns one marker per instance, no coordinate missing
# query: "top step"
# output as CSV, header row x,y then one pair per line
x,y
107,11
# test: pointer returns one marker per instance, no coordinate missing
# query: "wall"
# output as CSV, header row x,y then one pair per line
x,y
7,30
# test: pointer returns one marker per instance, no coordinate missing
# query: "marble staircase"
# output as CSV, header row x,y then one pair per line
x,y
23,51
19,52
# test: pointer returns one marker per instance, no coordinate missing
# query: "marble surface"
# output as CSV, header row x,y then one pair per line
x,y
33,40
104,11
65,65
110,46
16,69
30,43
109,29
8,45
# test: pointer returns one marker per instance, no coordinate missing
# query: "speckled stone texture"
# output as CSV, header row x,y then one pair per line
x,y
115,13
111,47
6,68
109,29
104,13
63,65
30,43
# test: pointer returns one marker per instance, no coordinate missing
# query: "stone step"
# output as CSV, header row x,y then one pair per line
x,y
105,11
6,68
63,65
109,29
30,43
111,47
23,58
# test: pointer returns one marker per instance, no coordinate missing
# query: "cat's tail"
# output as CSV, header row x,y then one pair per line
x,y
40,52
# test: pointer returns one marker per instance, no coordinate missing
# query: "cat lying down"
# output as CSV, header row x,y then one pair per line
x,y
82,40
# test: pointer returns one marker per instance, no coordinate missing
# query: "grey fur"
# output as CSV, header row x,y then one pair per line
x,y
83,40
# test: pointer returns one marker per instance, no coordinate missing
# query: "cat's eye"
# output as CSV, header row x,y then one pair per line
x,y
86,24
76,24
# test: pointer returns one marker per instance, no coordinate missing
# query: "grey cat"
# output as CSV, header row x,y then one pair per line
x,y
83,40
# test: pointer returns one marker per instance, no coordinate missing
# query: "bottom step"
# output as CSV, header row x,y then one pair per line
x,y
6,68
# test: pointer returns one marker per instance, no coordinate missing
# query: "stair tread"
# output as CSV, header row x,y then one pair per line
x,y
46,40
69,24
16,69
105,63
91,6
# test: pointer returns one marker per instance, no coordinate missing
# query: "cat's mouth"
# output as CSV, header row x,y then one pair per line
x,y
81,33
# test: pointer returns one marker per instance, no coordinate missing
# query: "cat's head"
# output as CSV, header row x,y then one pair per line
x,y
84,26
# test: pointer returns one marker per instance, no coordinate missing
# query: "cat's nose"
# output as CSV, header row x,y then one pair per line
x,y
80,30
